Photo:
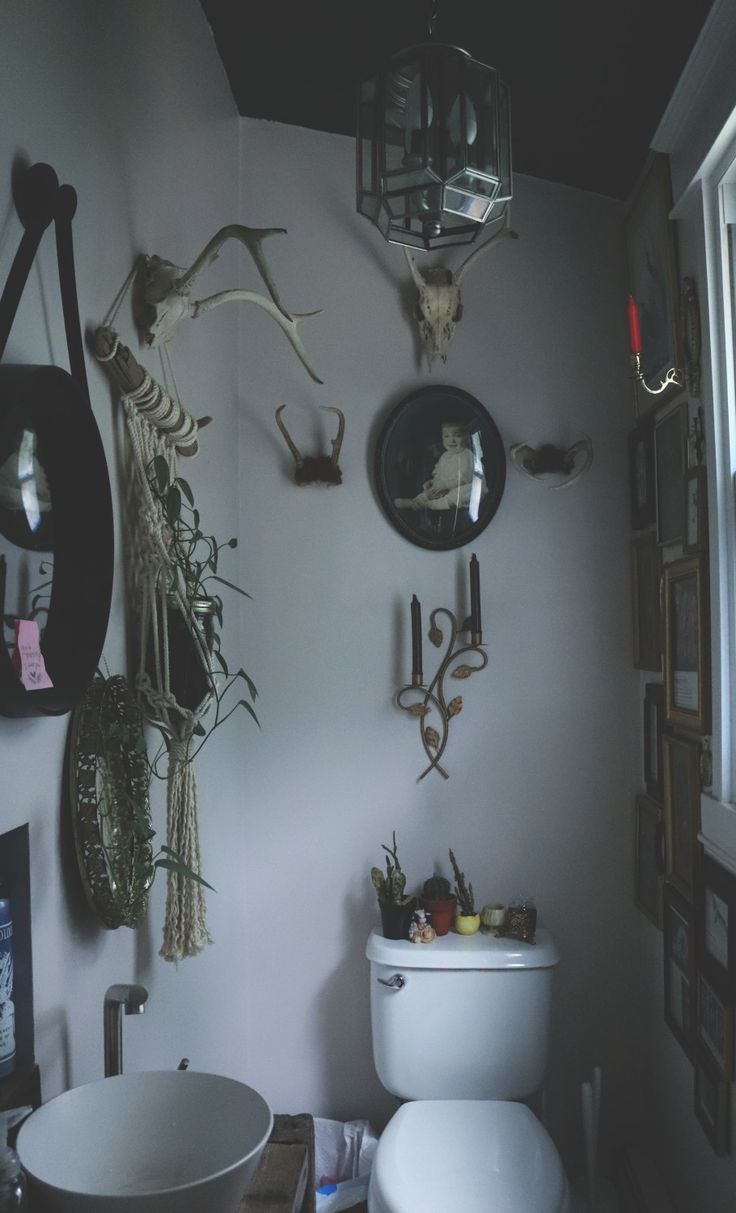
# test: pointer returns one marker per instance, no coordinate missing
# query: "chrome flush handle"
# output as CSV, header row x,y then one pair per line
x,y
397,982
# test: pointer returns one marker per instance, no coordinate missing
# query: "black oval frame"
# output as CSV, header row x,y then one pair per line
x,y
404,460
48,400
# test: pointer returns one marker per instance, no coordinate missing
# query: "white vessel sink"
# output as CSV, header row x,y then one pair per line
x,y
155,1142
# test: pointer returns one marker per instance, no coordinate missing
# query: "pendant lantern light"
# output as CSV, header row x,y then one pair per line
x,y
433,147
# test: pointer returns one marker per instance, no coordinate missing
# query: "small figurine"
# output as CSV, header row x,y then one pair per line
x,y
420,930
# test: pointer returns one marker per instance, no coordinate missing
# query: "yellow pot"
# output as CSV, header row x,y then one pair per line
x,y
467,924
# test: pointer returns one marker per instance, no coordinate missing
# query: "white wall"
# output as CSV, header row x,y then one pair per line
x,y
544,757
131,106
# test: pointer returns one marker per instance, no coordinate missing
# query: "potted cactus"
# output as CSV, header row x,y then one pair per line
x,y
439,901
467,921
396,907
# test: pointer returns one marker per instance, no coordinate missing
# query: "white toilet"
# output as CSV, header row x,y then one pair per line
x,y
460,1029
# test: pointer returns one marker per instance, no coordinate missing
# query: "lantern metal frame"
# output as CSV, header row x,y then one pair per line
x,y
433,147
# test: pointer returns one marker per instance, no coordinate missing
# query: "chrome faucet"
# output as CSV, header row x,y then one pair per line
x,y
131,1000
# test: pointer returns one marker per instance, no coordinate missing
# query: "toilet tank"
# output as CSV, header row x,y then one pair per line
x,y
468,1020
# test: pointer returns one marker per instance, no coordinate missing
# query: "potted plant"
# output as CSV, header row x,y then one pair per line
x,y
395,906
467,921
439,901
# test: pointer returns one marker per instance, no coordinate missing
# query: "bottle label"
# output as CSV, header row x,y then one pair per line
x,y
7,1038
28,658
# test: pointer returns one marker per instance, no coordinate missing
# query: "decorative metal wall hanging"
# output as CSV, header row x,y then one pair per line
x,y
54,486
553,466
420,700
316,469
691,341
440,468
161,293
672,378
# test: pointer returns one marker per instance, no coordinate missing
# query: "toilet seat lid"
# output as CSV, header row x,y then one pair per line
x,y
476,1155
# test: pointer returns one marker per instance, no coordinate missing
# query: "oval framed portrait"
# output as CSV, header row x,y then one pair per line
x,y
440,467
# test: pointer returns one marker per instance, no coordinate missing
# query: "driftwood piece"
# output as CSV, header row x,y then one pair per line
x,y
130,377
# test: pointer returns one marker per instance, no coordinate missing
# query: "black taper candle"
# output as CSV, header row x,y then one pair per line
x,y
474,594
416,637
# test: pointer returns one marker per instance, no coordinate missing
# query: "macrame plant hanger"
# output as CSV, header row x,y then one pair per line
x,y
157,425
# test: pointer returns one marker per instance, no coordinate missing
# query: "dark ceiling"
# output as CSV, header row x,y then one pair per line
x,y
589,81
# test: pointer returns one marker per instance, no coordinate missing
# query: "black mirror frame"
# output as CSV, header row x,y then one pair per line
x,y
47,400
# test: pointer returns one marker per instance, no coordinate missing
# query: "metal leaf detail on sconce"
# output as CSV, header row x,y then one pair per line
x,y
554,466
431,698
162,290
439,304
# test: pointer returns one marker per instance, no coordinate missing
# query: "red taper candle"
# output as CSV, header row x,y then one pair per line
x,y
634,334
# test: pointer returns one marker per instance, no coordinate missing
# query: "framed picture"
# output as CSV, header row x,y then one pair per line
x,y
715,918
686,644
641,476
440,468
681,767
695,524
649,859
712,1101
670,460
646,573
651,257
679,969
653,728
715,1027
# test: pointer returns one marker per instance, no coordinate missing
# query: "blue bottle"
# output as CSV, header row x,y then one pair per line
x,y
7,1009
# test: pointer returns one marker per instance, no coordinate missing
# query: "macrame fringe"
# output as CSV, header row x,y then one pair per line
x,y
185,928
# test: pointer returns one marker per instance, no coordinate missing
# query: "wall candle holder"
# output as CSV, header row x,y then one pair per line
x,y
673,377
417,699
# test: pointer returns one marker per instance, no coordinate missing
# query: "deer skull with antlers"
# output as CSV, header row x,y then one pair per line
x,y
316,469
439,304
162,291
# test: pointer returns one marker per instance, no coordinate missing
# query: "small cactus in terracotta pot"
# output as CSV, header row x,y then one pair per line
x,y
439,901
467,921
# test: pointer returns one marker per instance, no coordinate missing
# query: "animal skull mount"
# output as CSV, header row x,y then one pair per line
x,y
439,304
162,291
553,466
316,469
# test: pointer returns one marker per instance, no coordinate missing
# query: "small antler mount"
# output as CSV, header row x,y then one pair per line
x,y
320,470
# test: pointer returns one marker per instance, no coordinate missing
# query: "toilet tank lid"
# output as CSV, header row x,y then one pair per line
x,y
454,951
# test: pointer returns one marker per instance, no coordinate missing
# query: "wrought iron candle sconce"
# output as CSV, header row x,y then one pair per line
x,y
418,699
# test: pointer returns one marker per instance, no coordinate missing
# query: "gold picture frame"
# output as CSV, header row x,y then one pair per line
x,y
712,1101
681,768
687,645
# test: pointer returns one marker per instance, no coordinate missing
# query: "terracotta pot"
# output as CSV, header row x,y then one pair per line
x,y
467,924
441,913
395,919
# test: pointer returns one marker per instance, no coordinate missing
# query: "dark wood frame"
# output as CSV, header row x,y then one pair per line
x,y
709,1005
670,463
642,481
408,447
649,859
653,730
650,242
695,511
696,642
679,968
708,1077
646,575
681,812
716,881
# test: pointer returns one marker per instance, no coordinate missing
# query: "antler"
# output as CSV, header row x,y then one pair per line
x,y
252,238
288,323
289,440
337,441
504,230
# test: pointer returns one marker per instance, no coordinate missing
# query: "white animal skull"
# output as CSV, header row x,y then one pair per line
x,y
439,304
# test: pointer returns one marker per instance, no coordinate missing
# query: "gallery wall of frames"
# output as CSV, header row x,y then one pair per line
x,y
683,891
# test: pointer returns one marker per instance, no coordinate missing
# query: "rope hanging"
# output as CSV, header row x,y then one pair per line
x,y
158,426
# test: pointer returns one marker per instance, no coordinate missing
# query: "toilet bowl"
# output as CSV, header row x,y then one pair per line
x,y
466,1156
460,1032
